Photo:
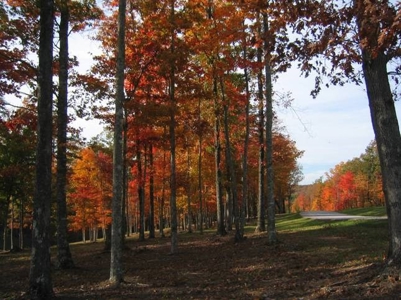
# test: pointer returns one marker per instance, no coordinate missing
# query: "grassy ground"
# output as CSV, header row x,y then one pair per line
x,y
367,211
314,260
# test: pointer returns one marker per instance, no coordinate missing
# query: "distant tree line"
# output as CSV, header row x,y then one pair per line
x,y
352,184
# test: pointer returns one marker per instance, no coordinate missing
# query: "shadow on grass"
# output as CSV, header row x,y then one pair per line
x,y
335,241
315,260
366,211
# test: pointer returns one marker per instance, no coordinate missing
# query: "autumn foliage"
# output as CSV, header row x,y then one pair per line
x,y
214,52
355,183
90,192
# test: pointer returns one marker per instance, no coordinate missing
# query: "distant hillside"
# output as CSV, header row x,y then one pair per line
x,y
305,188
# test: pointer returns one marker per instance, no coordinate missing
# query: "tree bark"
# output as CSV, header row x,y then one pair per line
x,y
271,214
261,225
386,128
141,193
232,178
21,227
161,210
107,238
40,281
189,211
246,148
124,207
173,184
116,270
217,158
64,256
200,214
12,224
151,195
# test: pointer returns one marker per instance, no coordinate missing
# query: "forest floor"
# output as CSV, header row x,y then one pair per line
x,y
314,260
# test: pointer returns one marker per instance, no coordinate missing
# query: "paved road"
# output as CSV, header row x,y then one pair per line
x,y
331,215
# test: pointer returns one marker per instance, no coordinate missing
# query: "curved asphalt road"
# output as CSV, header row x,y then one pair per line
x,y
332,215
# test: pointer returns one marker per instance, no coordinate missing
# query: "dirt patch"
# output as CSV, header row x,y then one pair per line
x,y
211,267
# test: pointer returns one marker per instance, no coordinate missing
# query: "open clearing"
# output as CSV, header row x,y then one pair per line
x,y
315,259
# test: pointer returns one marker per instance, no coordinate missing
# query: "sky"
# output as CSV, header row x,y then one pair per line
x,y
335,127
83,47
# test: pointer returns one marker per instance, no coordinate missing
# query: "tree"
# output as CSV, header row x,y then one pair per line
x,y
220,223
18,24
296,177
246,137
261,226
173,178
370,176
285,164
91,192
347,190
375,26
271,221
172,64
63,249
354,183
384,118
77,15
40,282
17,160
116,272
151,195
141,192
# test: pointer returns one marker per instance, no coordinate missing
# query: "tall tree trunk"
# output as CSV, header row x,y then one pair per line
x,y
173,184
289,198
40,281
232,177
221,212
200,214
107,238
200,133
246,148
5,219
385,127
4,234
161,210
261,226
151,195
124,207
12,225
189,211
228,207
21,225
271,215
281,203
116,270
217,162
64,256
141,193
106,227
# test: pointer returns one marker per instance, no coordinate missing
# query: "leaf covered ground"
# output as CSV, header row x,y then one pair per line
x,y
314,260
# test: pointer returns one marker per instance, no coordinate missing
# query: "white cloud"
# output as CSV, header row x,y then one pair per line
x,y
334,127
83,47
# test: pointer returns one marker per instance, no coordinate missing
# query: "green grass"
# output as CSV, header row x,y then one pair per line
x,y
376,211
294,223
351,239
